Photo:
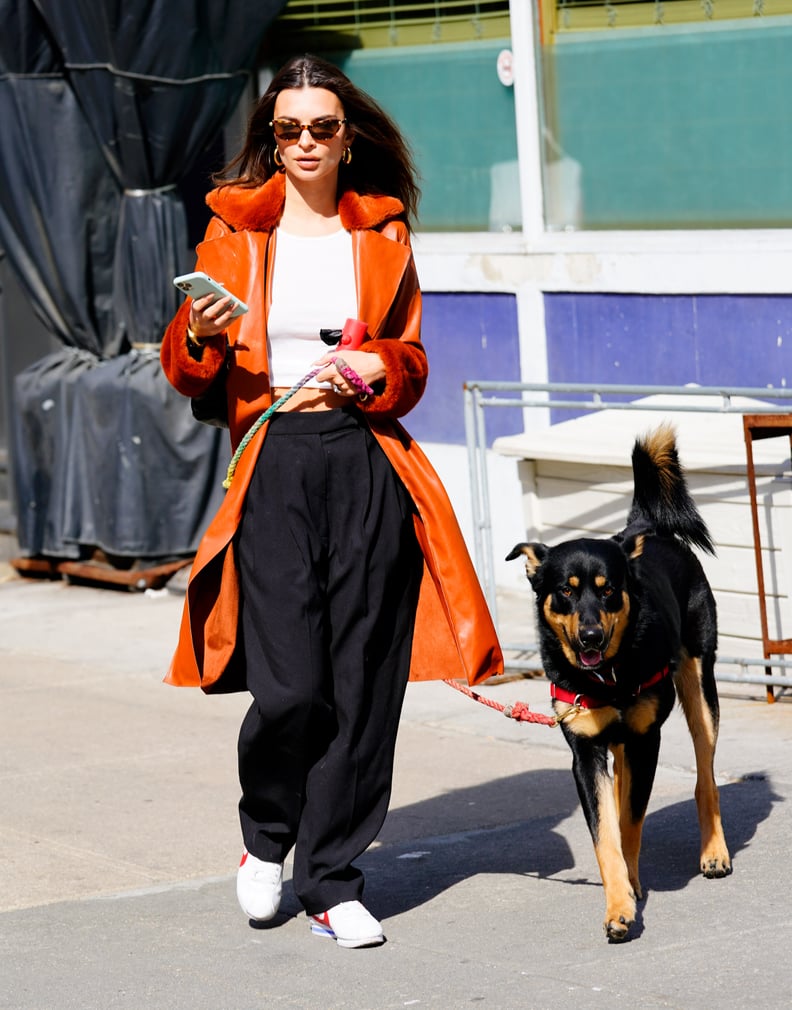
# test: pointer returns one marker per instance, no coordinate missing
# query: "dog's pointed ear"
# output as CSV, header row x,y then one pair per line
x,y
633,545
534,555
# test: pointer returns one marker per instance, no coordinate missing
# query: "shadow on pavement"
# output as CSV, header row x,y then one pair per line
x,y
519,836
670,850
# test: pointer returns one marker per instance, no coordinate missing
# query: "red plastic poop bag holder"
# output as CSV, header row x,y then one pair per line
x,y
350,338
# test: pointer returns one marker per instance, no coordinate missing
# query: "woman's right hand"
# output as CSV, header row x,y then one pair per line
x,y
210,316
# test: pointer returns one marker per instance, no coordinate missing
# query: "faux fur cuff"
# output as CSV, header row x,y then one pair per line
x,y
188,373
405,377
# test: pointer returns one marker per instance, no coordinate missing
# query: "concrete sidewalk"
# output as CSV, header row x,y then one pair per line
x,y
119,842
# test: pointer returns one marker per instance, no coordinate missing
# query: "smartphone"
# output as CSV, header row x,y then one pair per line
x,y
198,284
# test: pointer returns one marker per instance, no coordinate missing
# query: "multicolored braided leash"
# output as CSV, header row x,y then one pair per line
x,y
350,338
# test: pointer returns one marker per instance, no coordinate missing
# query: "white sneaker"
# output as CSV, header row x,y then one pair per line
x,y
349,924
258,887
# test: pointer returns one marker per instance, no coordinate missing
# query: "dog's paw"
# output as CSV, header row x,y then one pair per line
x,y
715,861
716,865
617,930
619,917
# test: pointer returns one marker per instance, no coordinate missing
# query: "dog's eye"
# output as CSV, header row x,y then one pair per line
x,y
607,592
566,591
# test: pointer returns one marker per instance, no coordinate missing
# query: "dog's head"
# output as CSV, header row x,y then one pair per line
x,y
583,595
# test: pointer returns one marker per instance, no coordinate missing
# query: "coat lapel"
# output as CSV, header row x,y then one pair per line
x,y
379,282
238,259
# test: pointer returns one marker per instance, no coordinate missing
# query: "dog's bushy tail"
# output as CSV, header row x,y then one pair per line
x,y
661,495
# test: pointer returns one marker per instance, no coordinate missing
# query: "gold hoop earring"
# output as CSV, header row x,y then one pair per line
x,y
276,157
346,157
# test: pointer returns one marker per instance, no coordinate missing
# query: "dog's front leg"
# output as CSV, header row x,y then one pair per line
x,y
622,784
595,788
636,760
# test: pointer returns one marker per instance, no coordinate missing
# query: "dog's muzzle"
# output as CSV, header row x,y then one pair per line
x,y
591,645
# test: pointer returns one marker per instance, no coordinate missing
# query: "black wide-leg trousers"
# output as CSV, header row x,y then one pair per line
x,y
330,571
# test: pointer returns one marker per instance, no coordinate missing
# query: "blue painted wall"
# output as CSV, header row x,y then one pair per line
x,y
733,340
467,337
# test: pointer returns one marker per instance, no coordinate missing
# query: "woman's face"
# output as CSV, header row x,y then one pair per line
x,y
306,158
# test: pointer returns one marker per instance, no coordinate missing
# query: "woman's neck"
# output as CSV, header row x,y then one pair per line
x,y
311,210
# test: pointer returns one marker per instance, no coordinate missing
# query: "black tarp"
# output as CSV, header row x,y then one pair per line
x,y
105,107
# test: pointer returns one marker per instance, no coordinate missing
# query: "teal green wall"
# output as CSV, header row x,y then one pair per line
x,y
457,116
677,128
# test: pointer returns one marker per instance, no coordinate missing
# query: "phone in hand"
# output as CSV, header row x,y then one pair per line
x,y
198,284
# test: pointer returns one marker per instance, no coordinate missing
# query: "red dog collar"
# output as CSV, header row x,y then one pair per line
x,y
586,701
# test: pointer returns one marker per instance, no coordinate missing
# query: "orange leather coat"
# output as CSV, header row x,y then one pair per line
x,y
454,634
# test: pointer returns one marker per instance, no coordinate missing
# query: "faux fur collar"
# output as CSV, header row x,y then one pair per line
x,y
260,208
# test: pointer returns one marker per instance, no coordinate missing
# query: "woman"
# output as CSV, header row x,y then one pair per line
x,y
335,567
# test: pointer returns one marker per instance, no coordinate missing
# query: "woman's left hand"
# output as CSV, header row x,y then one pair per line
x,y
368,366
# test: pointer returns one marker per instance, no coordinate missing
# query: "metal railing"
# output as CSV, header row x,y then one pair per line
x,y
571,396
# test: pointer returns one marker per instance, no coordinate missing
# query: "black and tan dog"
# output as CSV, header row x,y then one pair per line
x,y
622,623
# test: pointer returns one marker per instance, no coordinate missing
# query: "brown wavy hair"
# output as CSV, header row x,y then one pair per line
x,y
382,163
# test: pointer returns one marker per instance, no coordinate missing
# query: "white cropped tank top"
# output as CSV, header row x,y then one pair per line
x,y
313,288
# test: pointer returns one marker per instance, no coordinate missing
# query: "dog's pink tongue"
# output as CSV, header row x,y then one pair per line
x,y
591,658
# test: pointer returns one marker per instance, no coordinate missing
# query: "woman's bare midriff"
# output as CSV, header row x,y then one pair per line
x,y
311,398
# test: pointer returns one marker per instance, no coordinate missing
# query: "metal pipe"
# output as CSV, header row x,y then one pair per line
x,y
493,401
598,389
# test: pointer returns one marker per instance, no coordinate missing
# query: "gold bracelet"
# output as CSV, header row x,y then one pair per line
x,y
193,337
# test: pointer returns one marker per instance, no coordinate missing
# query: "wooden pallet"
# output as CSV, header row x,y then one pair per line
x,y
136,579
